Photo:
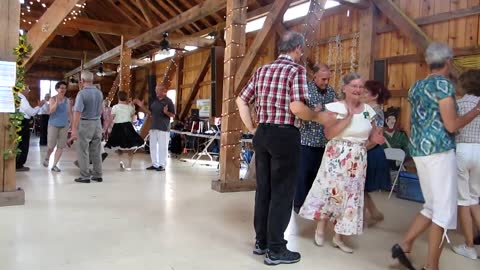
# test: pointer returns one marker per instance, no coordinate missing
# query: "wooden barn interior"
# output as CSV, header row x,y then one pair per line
x,y
207,50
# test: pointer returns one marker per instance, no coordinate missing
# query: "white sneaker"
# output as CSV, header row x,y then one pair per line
x,y
122,166
465,251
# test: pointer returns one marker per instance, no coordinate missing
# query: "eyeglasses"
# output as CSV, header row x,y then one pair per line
x,y
356,86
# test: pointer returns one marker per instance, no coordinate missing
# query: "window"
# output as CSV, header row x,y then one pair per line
x,y
47,87
292,13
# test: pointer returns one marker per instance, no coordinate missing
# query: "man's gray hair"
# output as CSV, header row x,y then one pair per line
x,y
290,41
86,76
437,54
321,67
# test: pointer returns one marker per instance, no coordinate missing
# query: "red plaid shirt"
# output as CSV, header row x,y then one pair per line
x,y
273,87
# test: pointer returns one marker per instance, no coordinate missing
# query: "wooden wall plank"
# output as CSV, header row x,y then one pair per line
x,y
441,30
472,26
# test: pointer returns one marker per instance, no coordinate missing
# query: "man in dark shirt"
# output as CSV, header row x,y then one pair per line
x,y
312,136
161,110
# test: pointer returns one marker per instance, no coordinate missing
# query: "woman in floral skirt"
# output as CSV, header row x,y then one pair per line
x,y
337,193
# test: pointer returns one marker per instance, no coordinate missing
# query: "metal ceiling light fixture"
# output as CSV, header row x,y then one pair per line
x,y
164,44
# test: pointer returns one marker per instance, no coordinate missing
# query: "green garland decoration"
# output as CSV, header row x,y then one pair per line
x,y
15,124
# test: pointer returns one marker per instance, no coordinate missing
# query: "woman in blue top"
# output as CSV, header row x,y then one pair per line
x,y
60,113
433,122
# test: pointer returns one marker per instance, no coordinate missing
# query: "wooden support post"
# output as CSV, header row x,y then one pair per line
x,y
196,86
231,123
10,21
178,102
218,54
367,47
125,62
44,30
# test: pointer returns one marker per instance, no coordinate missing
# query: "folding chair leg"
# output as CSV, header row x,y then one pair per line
x,y
393,187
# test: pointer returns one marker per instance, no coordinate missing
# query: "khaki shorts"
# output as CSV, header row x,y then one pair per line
x,y
57,136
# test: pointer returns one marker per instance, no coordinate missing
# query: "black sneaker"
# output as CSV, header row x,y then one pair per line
x,y
160,169
97,179
476,240
259,249
152,168
284,257
82,180
104,156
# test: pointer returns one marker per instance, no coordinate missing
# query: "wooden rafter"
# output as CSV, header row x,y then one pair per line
x,y
98,40
131,10
274,16
172,14
188,4
162,16
437,18
147,13
179,10
191,15
196,86
121,11
44,30
404,23
215,16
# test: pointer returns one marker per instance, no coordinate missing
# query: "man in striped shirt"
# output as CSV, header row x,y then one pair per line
x,y
279,91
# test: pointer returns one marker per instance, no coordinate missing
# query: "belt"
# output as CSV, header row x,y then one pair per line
x,y
277,125
89,119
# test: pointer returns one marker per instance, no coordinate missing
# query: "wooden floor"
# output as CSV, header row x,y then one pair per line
x,y
170,220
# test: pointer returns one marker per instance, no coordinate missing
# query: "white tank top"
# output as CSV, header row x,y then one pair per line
x,y
360,126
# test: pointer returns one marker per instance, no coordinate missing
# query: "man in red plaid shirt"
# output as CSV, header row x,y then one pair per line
x,y
279,91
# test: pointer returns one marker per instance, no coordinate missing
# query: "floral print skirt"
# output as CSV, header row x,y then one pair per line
x,y
337,192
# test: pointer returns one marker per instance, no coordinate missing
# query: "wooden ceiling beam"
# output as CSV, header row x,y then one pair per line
x,y
437,18
179,10
123,12
91,25
68,54
147,13
98,40
43,31
130,10
187,4
172,14
162,16
404,23
191,15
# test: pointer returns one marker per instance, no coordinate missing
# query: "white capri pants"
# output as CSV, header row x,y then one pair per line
x,y
159,147
438,180
468,169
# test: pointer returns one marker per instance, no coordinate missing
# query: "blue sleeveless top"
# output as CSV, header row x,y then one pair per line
x,y
59,118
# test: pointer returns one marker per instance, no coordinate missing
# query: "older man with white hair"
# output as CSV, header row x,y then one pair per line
x,y
434,121
87,128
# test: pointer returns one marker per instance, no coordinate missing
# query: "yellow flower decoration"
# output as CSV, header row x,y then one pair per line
x,y
17,90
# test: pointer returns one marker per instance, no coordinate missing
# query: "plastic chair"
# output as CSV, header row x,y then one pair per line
x,y
395,154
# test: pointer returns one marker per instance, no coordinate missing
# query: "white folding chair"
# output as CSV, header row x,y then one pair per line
x,y
398,155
